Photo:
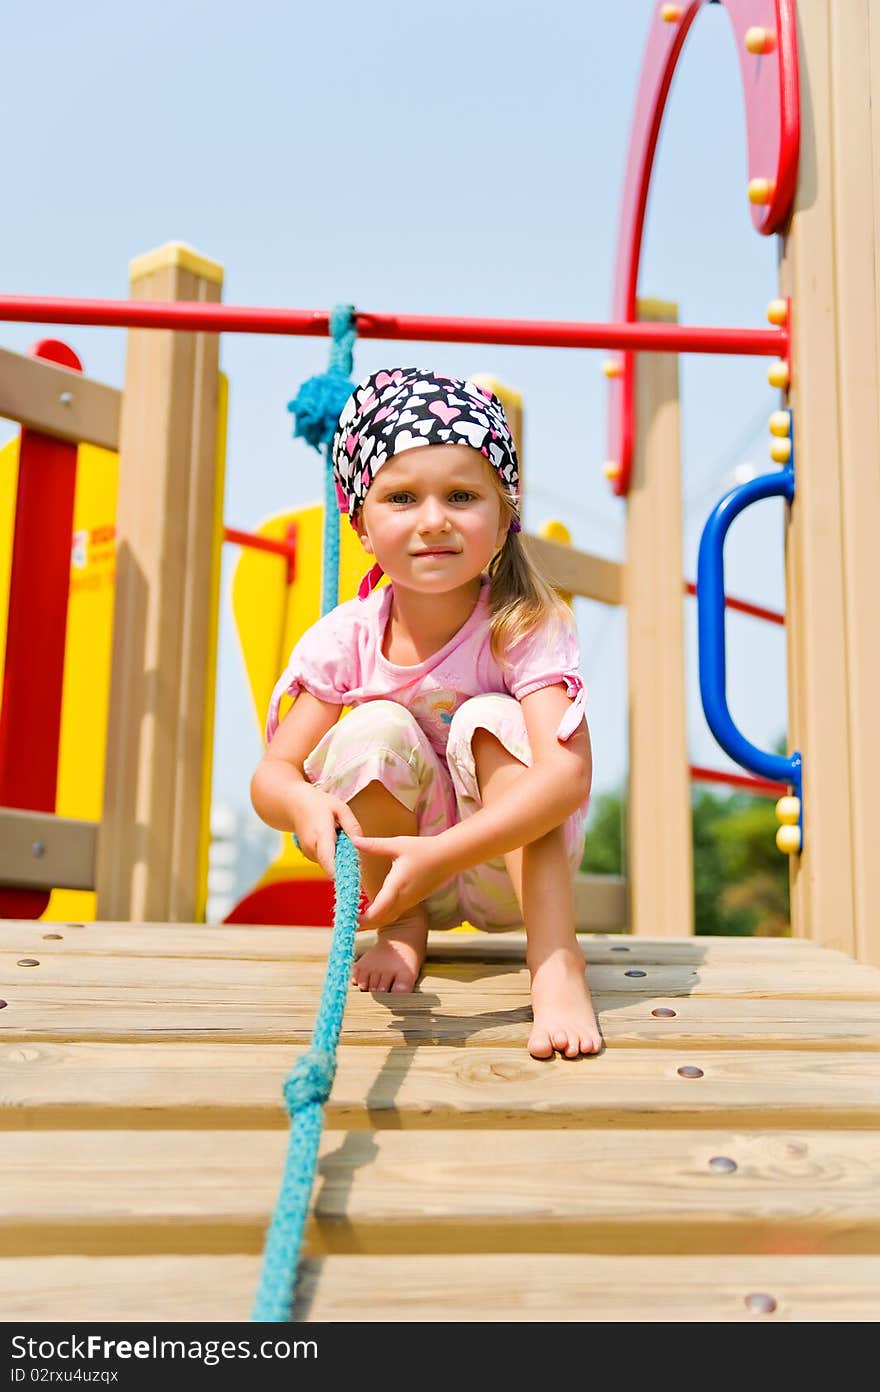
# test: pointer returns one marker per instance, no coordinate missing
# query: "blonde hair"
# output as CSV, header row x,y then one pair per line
x,y
521,597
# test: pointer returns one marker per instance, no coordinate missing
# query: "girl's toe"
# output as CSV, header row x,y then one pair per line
x,y
540,1046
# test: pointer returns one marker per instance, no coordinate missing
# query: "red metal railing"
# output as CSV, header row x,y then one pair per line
x,y
536,333
286,548
761,787
743,606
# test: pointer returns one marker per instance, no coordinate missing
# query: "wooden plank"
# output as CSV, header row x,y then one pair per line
x,y
288,1016
249,980
157,1085
482,1287
199,940
578,572
42,851
57,401
823,886
660,856
562,1191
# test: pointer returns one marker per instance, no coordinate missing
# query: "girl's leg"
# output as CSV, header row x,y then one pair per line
x,y
395,961
564,1017
379,761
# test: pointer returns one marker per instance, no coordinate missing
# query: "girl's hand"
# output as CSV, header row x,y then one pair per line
x,y
418,868
316,817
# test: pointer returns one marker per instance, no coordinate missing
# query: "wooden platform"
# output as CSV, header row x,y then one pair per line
x,y
719,1161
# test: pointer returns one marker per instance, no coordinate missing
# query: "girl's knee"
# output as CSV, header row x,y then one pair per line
x,y
378,743
496,712
383,720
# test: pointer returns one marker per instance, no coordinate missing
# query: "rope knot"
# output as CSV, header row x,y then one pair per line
x,y
310,1079
318,405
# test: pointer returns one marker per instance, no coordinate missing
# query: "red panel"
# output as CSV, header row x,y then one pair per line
x,y
772,105
307,903
30,715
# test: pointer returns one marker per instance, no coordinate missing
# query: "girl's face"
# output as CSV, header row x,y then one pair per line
x,y
430,497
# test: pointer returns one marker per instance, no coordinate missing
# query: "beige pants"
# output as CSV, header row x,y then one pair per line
x,y
381,741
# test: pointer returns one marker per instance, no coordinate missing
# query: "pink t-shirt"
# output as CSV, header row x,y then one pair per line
x,y
340,659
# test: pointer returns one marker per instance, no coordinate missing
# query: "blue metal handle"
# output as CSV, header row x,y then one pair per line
x,y
710,617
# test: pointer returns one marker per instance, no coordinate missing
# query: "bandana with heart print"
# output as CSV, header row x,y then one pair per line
x,y
401,409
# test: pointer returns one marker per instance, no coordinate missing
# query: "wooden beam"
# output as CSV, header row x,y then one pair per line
x,y
57,401
578,572
41,851
659,854
168,535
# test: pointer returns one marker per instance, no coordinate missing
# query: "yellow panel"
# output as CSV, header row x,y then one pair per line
x,y
87,654
8,491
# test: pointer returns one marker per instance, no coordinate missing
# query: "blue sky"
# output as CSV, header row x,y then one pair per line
x,y
463,159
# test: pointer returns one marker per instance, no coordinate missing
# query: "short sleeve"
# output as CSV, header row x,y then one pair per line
x,y
545,657
320,663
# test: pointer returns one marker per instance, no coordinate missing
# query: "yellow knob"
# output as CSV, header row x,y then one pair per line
x,y
611,469
788,839
761,190
760,40
671,14
788,810
780,451
613,367
780,424
554,530
777,312
777,375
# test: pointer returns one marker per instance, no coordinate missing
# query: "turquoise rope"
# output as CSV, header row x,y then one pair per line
x,y
306,1089
317,408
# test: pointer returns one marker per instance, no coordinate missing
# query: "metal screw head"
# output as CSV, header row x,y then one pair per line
x,y
38,849
635,971
690,1071
28,962
722,1164
66,398
760,1303
663,1012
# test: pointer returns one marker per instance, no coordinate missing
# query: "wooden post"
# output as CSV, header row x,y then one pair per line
x,y
150,851
659,852
829,268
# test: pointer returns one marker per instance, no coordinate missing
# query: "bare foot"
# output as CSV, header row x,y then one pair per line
x,y
395,961
562,1009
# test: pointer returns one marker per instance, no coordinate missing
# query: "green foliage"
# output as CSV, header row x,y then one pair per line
x,y
740,878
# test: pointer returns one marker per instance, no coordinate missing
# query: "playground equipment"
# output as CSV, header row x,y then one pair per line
x,y
722,1087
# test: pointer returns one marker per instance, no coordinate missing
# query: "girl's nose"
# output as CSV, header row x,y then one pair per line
x,y
433,518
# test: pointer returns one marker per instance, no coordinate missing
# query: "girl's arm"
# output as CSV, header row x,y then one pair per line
x,y
280,773
542,799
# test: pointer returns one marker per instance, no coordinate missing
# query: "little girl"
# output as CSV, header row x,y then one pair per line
x,y
465,756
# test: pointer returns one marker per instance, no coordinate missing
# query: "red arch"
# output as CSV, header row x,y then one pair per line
x,y
772,105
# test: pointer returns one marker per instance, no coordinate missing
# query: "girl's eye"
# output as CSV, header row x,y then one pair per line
x,y
459,493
